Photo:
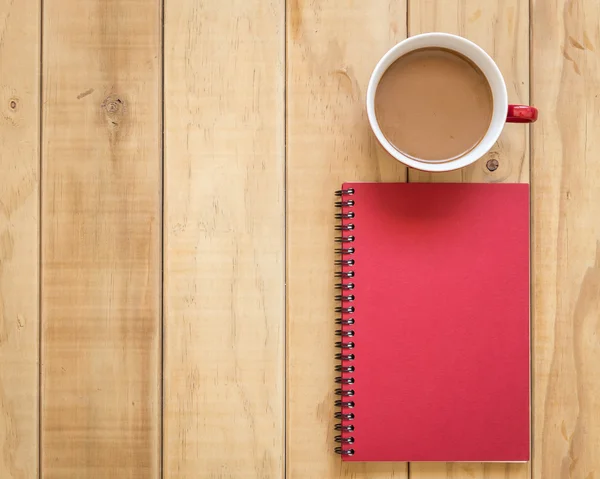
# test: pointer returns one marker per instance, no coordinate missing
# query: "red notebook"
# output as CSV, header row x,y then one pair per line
x,y
434,322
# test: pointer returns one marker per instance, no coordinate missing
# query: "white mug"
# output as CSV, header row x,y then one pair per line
x,y
502,111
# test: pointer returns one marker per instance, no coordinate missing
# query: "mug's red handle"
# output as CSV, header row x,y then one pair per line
x,y
521,114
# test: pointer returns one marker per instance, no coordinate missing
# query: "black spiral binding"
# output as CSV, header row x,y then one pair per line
x,y
345,322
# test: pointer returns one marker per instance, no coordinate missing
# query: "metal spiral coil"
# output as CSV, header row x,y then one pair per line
x,y
345,334
344,440
344,369
344,239
342,297
349,416
340,309
344,262
344,452
341,204
343,286
344,392
345,321
339,427
348,227
341,380
344,274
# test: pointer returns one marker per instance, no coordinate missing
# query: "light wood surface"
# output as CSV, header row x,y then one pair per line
x,y
19,237
502,29
332,48
101,223
566,255
224,239
211,273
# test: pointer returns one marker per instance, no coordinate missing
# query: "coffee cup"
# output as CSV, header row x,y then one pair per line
x,y
501,111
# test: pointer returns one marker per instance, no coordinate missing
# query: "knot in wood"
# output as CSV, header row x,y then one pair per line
x,y
114,110
492,165
113,105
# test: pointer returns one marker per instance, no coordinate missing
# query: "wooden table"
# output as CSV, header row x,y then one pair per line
x,y
166,241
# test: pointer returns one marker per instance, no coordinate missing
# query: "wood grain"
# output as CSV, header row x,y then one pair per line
x,y
101,259
19,237
502,29
332,47
224,239
566,212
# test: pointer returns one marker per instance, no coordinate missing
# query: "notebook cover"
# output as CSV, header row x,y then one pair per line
x,y
441,332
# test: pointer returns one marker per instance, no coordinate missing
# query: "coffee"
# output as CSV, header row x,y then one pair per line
x,y
433,104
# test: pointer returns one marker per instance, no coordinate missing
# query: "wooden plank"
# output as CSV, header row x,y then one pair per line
x,y
502,29
566,207
224,239
19,237
332,48
101,258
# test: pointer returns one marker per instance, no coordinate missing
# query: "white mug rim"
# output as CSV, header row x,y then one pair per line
x,y
474,53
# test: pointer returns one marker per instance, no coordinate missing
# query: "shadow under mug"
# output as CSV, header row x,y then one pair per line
x,y
502,111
